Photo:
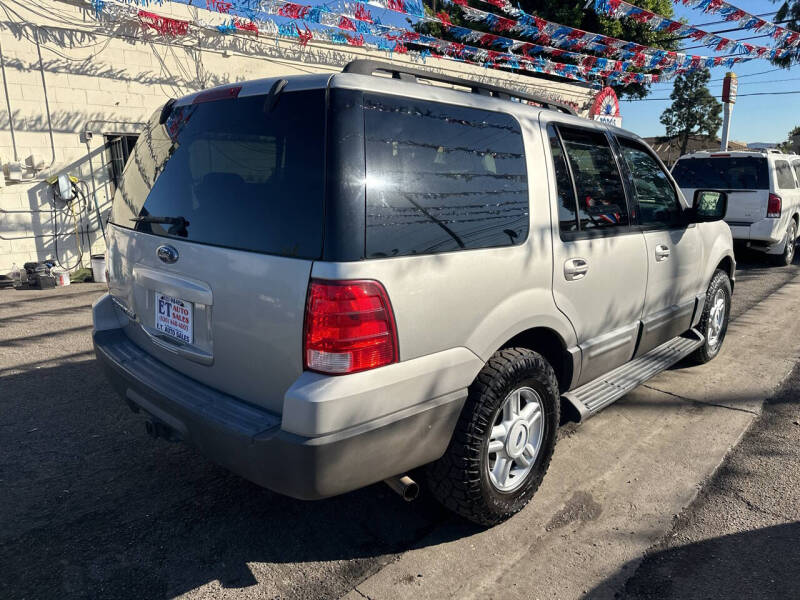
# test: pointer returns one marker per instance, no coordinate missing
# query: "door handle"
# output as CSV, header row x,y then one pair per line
x,y
662,252
575,268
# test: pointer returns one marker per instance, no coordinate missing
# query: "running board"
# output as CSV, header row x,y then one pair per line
x,y
591,398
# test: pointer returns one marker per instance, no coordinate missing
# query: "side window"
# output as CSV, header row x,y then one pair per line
x,y
567,206
658,202
796,166
442,177
601,195
785,178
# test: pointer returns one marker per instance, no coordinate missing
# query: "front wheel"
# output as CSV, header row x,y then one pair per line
x,y
503,441
714,320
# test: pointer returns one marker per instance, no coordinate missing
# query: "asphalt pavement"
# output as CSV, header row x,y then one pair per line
x,y
741,537
92,507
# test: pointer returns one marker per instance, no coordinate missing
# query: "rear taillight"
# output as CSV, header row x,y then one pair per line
x,y
349,327
774,206
226,93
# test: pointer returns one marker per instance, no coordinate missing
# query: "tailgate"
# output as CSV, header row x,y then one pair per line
x,y
746,206
745,178
246,312
215,226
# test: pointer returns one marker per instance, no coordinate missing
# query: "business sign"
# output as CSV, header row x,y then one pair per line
x,y
606,108
730,86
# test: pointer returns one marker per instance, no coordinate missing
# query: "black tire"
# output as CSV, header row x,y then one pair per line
x,y
720,282
786,258
460,480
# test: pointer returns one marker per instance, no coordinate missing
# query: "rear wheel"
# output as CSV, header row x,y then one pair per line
x,y
787,256
714,320
503,441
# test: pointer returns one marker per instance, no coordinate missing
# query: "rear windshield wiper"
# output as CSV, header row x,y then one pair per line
x,y
178,225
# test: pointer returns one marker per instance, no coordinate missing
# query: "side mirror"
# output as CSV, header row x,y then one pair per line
x,y
709,205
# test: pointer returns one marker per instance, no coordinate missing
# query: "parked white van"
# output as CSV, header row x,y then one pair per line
x,y
763,195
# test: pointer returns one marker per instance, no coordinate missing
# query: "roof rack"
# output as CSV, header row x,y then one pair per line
x,y
369,67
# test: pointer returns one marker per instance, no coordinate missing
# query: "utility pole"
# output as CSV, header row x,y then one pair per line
x,y
729,88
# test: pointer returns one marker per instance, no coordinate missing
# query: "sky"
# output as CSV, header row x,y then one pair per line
x,y
755,118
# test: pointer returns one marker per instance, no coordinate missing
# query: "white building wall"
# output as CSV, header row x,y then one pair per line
x,y
107,78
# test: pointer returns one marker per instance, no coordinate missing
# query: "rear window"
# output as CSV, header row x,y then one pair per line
x,y
231,173
441,177
727,173
785,177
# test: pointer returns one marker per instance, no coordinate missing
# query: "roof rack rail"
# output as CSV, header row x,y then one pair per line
x,y
369,67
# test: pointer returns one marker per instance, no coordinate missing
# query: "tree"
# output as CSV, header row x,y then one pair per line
x,y
792,143
788,16
573,14
694,110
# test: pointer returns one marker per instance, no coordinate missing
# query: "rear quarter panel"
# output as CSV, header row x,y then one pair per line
x,y
477,299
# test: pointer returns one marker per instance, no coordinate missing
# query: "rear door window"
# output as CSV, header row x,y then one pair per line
x,y
784,173
601,199
796,166
723,173
442,177
231,173
657,199
567,205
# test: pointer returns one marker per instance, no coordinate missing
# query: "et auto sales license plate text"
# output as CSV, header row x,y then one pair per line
x,y
174,317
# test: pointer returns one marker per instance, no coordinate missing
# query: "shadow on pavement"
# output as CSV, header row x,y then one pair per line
x,y
91,506
762,563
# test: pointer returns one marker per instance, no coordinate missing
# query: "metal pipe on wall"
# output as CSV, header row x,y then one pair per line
x,y
8,103
46,102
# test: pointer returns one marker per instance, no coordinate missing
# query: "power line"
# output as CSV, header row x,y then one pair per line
x,y
686,37
766,14
723,79
752,74
738,96
752,37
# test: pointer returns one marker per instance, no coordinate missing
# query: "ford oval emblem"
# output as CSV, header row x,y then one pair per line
x,y
167,254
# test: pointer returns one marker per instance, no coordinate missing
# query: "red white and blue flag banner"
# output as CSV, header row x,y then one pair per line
x,y
535,28
744,20
303,23
354,25
790,40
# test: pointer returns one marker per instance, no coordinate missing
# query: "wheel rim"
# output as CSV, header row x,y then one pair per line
x,y
515,439
790,243
716,319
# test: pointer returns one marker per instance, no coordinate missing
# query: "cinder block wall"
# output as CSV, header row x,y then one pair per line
x,y
66,73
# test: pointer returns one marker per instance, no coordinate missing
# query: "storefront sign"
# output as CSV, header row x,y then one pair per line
x,y
606,108
729,88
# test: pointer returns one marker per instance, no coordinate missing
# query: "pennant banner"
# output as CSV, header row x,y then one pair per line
x,y
281,19
745,20
560,40
618,9
356,26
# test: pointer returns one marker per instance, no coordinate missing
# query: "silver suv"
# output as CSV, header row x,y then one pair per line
x,y
326,281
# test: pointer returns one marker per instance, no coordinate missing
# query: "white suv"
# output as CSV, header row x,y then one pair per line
x,y
763,194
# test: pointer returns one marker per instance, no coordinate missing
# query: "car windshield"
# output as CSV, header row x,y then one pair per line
x,y
238,173
724,172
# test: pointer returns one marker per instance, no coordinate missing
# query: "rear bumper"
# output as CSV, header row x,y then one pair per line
x,y
250,441
765,232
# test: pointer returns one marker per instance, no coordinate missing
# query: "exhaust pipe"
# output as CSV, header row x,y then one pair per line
x,y
406,487
158,430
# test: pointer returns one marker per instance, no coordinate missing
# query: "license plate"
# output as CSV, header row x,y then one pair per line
x,y
174,317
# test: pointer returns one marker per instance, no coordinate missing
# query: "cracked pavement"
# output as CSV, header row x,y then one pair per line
x,y
741,537
91,507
